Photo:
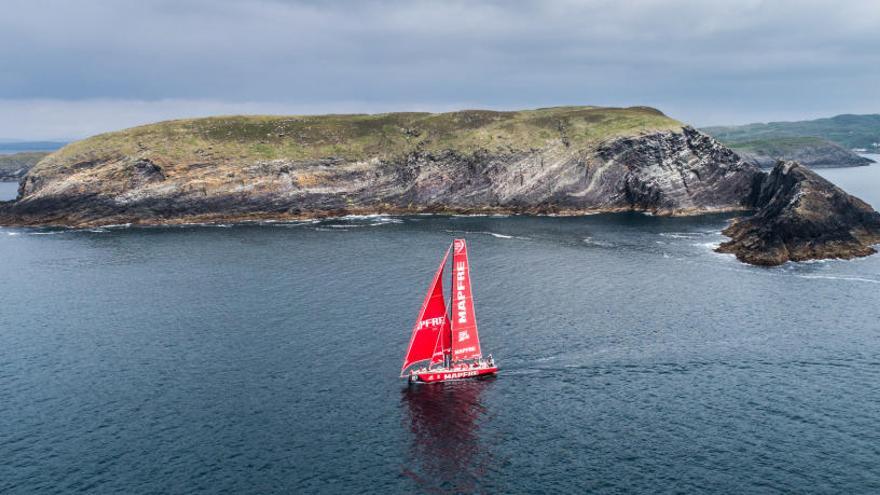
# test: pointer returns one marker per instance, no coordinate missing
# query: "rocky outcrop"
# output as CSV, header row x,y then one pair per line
x,y
669,172
801,216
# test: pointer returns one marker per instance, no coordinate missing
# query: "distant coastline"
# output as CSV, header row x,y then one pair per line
x,y
8,147
820,143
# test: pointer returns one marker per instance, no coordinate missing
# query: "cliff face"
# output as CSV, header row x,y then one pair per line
x,y
568,161
801,216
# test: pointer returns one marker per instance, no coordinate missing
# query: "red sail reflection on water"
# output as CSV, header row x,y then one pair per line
x,y
447,454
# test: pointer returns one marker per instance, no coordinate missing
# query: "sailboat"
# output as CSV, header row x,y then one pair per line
x,y
445,346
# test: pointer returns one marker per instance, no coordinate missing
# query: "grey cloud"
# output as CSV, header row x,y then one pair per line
x,y
708,62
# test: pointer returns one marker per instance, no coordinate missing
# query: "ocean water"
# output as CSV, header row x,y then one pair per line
x,y
264,359
8,190
863,182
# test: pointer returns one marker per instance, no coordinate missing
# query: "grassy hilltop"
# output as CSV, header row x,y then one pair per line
x,y
355,137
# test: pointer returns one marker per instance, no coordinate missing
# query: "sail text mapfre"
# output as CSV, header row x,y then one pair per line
x,y
465,339
431,322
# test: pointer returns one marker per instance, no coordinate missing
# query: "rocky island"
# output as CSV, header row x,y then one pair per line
x,y
564,160
802,216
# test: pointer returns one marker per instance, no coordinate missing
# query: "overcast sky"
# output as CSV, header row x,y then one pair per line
x,y
69,69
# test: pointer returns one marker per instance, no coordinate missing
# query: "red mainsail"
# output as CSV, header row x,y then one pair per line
x,y
465,340
431,322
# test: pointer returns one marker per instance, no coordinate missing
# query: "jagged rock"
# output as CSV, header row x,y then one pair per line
x,y
801,216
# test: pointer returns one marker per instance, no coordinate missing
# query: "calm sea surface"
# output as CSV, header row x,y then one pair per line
x,y
264,358
8,190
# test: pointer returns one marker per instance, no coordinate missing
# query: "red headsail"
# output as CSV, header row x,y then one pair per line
x,y
432,320
465,340
443,346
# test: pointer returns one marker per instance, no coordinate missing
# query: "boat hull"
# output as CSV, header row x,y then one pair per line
x,y
436,376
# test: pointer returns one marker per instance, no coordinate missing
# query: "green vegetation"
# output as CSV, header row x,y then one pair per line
x,y
13,166
781,146
849,131
810,151
352,137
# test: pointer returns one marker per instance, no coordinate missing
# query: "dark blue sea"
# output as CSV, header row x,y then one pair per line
x,y
264,359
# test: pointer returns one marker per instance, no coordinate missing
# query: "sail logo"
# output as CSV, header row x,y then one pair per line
x,y
458,246
432,322
463,335
460,286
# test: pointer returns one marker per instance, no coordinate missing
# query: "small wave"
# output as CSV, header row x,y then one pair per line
x,y
849,279
493,234
54,232
481,215
593,242
709,245
386,220
817,262
684,235
288,224
361,217
354,221
13,233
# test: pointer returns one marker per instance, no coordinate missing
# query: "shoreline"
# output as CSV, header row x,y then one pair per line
x,y
221,218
